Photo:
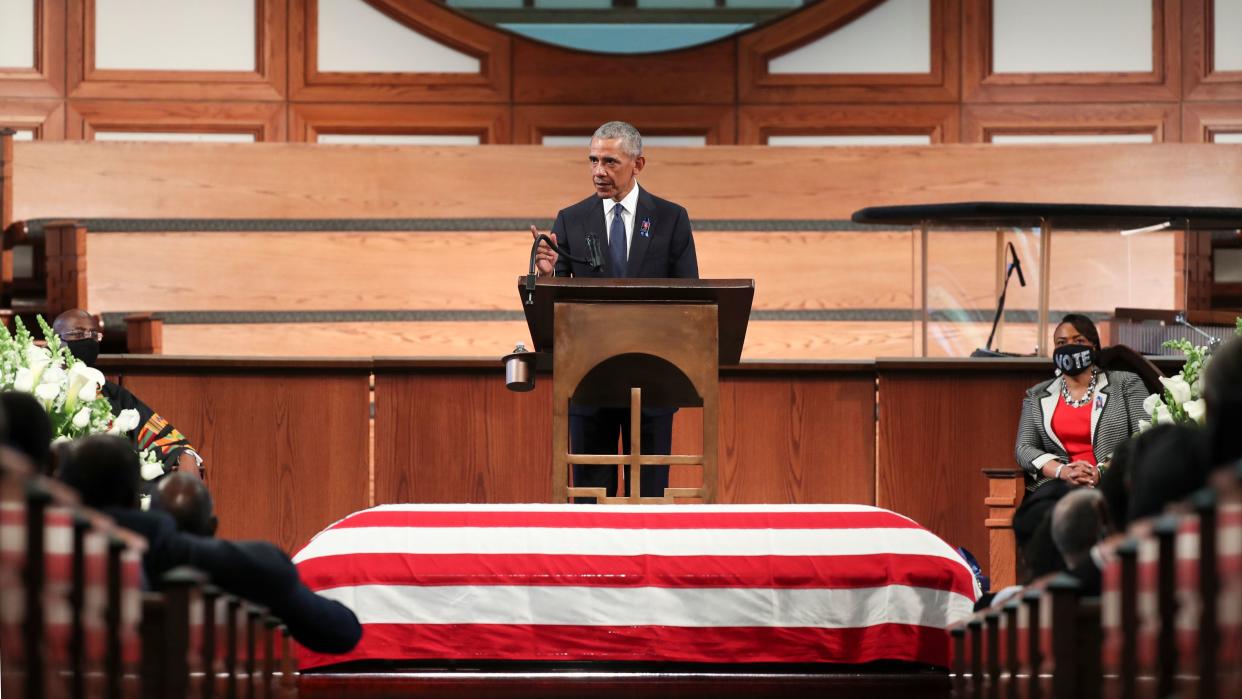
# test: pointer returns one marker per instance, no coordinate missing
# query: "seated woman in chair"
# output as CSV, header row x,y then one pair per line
x,y
1072,422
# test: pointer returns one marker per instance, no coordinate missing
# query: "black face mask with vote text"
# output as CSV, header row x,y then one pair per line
x,y
1074,359
86,351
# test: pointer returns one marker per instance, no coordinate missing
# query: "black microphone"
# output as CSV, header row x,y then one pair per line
x,y
593,251
532,275
1017,265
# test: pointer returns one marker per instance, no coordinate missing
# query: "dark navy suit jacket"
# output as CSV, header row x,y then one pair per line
x,y
664,251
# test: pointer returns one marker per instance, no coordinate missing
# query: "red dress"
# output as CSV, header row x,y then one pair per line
x,y
1073,427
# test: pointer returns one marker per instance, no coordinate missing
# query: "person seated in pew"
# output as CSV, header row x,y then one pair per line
x,y
187,500
1222,393
1072,423
1079,521
30,429
81,333
105,471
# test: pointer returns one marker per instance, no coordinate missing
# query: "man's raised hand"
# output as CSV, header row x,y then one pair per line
x,y
545,258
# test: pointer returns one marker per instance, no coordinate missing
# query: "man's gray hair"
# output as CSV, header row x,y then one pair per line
x,y
1078,523
631,140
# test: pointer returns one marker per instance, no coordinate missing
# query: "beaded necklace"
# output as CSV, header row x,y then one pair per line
x,y
1086,397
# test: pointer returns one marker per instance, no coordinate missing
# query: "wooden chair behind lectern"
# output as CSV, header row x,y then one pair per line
x,y
629,342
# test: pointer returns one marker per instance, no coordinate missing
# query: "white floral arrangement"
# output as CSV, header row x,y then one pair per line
x,y
1182,402
67,388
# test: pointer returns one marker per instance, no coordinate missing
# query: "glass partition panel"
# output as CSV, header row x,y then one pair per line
x,y
965,276
1090,272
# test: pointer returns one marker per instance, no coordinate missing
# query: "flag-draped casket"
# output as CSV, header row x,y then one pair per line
x,y
709,583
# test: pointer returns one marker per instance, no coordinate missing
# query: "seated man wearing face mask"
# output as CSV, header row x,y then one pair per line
x,y
80,333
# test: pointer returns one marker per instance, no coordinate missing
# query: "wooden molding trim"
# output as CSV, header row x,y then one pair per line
x,y
490,46
758,47
1201,122
47,77
717,123
757,122
491,123
46,117
1201,79
266,120
981,84
266,82
546,74
981,122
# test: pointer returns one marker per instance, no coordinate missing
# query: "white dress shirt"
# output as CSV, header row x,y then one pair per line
x,y
630,202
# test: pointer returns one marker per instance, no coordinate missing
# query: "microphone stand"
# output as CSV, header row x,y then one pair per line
x,y
1015,266
1213,341
595,261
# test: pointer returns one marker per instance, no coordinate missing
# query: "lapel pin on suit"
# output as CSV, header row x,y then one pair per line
x,y
645,229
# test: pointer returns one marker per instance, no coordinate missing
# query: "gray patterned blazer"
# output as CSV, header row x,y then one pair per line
x,y
1115,416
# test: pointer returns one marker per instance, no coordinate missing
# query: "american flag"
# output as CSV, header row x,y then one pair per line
x,y
692,583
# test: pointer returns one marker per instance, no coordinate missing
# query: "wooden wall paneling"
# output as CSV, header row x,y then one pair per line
x,y
47,77
798,438
431,19
289,463
545,74
491,123
461,436
46,117
980,84
169,180
1200,79
1161,120
1201,121
266,82
937,430
266,120
793,270
756,48
757,122
717,123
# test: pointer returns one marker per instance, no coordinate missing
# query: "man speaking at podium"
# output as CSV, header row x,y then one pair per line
x,y
646,236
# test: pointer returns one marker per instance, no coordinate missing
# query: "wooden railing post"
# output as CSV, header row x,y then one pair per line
x,y
65,242
33,578
1004,488
1064,591
1034,643
114,667
1127,555
77,603
1165,531
1206,507
958,636
144,334
6,210
1012,657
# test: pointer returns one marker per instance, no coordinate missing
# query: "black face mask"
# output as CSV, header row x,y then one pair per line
x,y
86,351
1074,359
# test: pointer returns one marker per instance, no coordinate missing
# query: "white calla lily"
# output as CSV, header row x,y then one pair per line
x,y
1177,387
47,392
24,381
1196,410
82,418
1150,403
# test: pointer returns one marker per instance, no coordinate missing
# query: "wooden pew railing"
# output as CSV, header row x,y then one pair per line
x,y
75,623
1169,621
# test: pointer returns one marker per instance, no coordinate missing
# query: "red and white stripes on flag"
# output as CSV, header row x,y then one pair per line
x,y
707,583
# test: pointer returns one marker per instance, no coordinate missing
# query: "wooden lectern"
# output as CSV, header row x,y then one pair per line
x,y
637,343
